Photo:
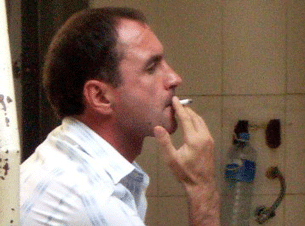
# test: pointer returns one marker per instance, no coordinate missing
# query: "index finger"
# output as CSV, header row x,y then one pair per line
x,y
183,116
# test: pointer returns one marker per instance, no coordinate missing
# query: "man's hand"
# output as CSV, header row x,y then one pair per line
x,y
193,165
193,162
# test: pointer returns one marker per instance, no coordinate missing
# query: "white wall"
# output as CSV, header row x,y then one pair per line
x,y
239,60
9,137
14,22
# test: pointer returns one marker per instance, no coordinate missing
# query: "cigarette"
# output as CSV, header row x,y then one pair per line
x,y
185,101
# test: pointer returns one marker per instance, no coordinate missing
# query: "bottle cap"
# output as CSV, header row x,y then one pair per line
x,y
244,136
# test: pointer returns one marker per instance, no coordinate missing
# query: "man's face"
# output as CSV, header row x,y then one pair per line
x,y
144,97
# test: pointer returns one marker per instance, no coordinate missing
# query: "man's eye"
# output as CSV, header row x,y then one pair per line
x,y
151,69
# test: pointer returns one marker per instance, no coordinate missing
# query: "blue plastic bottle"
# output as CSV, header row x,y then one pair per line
x,y
238,188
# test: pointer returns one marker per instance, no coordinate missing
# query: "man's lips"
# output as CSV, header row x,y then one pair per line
x,y
170,107
169,102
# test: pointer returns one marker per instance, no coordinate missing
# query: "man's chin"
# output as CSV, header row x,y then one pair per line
x,y
170,126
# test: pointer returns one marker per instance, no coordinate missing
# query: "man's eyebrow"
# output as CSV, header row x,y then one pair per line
x,y
154,59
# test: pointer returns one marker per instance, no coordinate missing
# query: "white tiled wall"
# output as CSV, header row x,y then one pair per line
x,y
295,155
254,47
240,59
295,209
191,34
296,47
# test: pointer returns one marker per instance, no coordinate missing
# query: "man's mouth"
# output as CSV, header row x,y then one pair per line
x,y
169,102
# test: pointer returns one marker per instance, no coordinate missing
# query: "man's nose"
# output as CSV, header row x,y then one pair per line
x,y
172,79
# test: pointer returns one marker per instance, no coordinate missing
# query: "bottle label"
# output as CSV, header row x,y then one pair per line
x,y
242,170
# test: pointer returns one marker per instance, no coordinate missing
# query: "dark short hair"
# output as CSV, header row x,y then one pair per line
x,y
84,48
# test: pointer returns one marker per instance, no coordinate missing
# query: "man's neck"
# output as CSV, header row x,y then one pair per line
x,y
127,144
129,147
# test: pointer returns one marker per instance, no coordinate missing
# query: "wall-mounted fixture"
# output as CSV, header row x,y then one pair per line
x,y
273,133
264,213
273,140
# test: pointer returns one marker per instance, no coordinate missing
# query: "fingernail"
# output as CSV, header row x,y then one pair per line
x,y
175,98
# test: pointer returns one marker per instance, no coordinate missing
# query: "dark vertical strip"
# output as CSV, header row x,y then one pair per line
x,y
47,28
30,77
52,15
40,20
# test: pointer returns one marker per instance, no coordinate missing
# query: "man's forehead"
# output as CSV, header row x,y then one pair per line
x,y
131,32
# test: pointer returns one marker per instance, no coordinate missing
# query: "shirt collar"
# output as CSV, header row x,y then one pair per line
x,y
106,156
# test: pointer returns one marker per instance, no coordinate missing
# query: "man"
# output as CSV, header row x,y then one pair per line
x,y
106,76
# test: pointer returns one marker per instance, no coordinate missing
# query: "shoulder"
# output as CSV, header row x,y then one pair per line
x,y
61,172
62,190
73,197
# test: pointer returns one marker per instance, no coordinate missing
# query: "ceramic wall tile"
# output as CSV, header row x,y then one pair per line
x,y
148,160
191,34
152,215
294,210
295,156
296,47
173,211
254,47
167,183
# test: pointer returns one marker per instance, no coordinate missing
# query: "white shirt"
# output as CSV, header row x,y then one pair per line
x,y
76,178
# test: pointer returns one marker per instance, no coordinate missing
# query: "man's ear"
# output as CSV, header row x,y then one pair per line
x,y
98,96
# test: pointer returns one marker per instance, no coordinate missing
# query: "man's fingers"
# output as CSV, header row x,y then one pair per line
x,y
164,140
183,116
198,121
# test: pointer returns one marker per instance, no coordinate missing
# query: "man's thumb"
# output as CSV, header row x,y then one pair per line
x,y
164,140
